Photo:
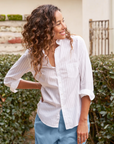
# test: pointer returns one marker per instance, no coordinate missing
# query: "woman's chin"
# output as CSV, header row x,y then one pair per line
x,y
62,37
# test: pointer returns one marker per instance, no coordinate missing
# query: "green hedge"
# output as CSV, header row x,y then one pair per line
x,y
14,17
102,107
17,108
2,17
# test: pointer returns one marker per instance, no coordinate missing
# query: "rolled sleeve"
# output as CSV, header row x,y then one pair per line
x,y
85,69
88,92
15,73
14,85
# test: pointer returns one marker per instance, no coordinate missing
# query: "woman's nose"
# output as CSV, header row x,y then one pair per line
x,y
63,25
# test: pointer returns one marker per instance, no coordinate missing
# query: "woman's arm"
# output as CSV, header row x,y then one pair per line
x,y
13,77
85,108
82,130
23,84
86,90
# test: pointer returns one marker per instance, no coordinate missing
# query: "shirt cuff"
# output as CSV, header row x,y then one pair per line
x,y
14,85
88,92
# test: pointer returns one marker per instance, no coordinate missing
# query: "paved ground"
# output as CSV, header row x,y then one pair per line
x,y
30,135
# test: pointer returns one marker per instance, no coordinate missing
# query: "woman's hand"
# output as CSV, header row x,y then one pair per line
x,y
82,132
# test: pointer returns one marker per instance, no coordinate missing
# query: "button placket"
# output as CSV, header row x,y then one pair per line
x,y
61,93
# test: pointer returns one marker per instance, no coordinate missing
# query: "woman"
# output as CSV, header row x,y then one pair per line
x,y
61,64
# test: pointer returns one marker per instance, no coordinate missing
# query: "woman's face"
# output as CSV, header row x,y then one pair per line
x,y
60,26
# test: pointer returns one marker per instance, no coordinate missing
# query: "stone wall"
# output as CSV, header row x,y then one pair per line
x,y
10,37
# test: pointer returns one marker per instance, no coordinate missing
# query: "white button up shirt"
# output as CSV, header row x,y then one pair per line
x,y
63,86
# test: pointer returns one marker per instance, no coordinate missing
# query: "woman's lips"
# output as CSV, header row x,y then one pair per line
x,y
62,33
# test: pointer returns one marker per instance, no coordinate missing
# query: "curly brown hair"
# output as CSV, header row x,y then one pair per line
x,y
38,33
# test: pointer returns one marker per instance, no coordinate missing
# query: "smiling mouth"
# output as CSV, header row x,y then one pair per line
x,y
62,33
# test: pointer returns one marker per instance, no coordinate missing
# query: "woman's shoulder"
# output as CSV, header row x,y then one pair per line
x,y
76,37
27,53
79,43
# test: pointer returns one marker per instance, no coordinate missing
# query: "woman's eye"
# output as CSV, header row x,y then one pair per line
x,y
58,23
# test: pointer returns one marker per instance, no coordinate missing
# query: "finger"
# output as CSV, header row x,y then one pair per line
x,y
84,138
87,135
42,99
81,138
78,139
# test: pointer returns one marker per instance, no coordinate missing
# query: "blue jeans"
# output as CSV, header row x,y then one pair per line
x,y
49,135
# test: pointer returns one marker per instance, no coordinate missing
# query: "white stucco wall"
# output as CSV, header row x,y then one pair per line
x,y
76,12
112,25
71,9
95,10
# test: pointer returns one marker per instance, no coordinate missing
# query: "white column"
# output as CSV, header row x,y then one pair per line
x,y
111,28
112,25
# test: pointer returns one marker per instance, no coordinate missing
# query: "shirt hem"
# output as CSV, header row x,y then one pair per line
x,y
47,124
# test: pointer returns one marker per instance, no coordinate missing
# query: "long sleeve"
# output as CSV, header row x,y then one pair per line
x,y
85,69
15,73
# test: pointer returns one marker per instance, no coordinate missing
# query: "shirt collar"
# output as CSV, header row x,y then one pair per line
x,y
58,41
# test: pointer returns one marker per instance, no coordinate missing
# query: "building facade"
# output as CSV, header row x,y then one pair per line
x,y
77,13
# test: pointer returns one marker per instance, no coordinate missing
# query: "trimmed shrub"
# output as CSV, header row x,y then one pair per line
x,y
14,17
2,17
15,108
102,107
